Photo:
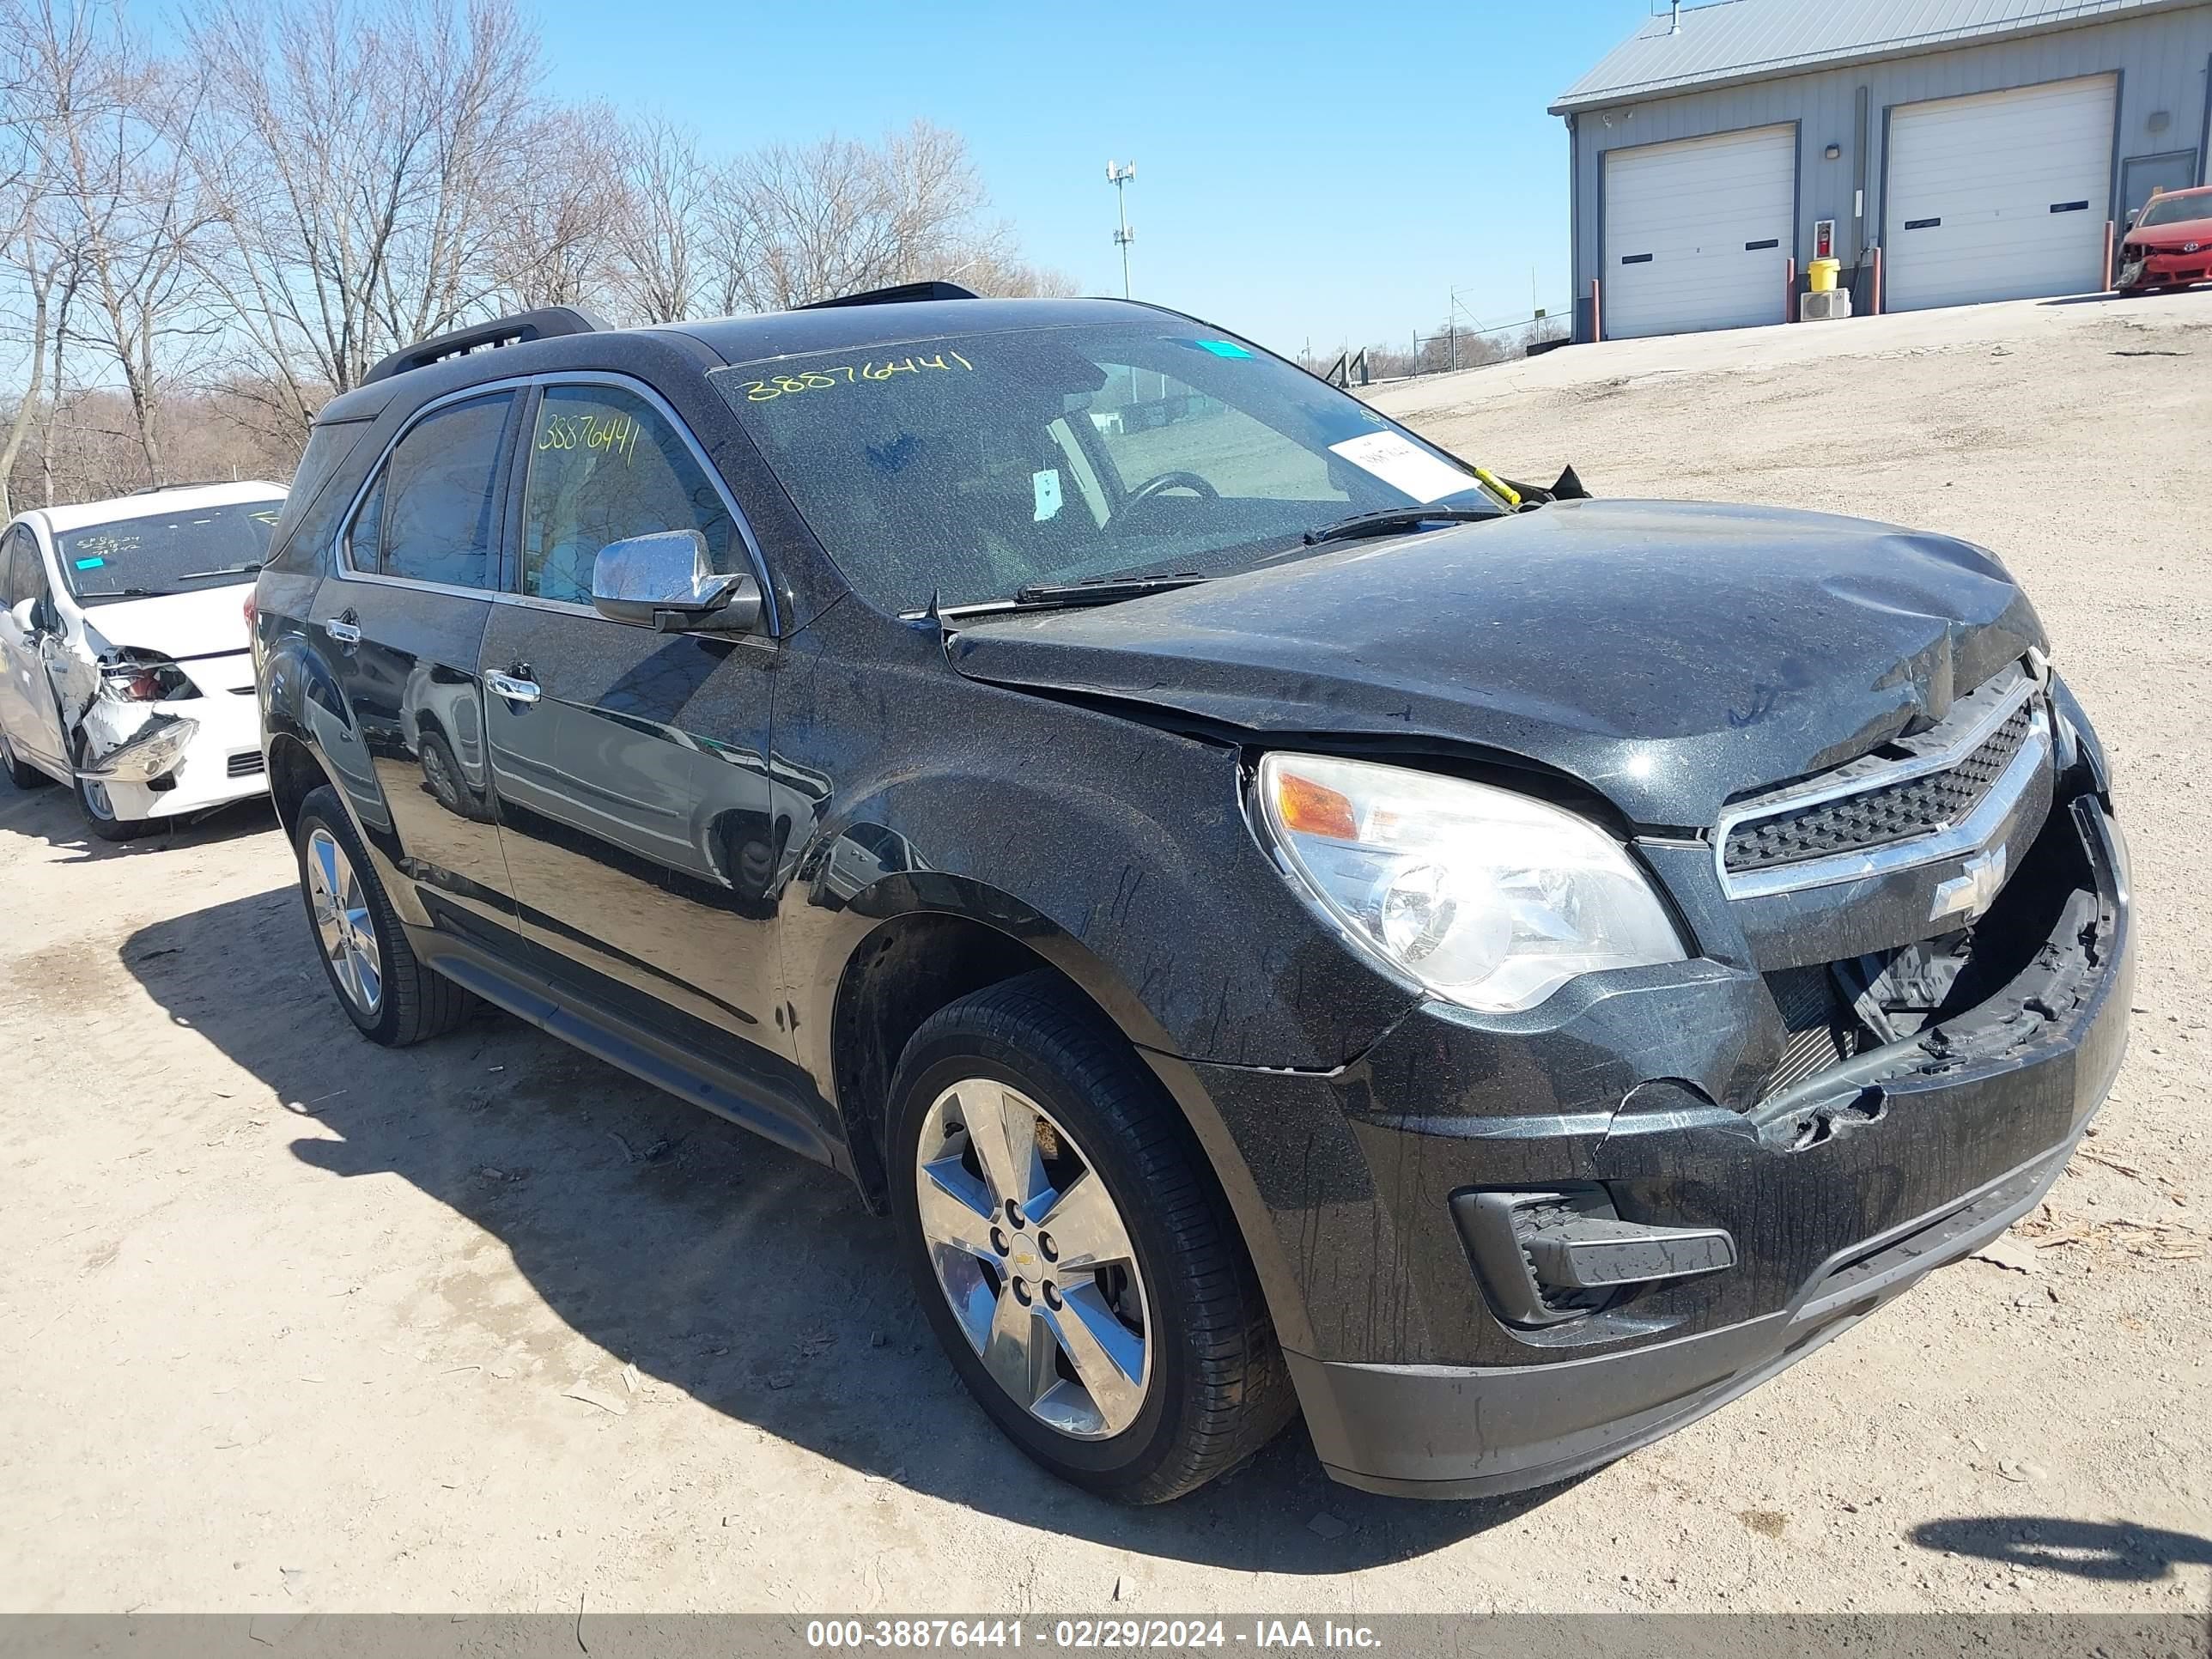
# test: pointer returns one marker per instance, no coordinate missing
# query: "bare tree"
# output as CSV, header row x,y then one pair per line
x,y
195,255
353,151
26,260
34,263
661,239
123,201
815,221
557,224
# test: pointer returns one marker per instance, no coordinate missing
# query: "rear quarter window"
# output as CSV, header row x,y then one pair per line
x,y
322,488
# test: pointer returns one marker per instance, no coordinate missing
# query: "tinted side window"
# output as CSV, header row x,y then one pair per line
x,y
316,499
26,570
604,464
14,573
433,514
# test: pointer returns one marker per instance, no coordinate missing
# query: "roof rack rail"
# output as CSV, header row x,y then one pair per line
x,y
898,295
547,323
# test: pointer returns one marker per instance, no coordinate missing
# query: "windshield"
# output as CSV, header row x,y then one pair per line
x,y
2176,209
967,467
161,554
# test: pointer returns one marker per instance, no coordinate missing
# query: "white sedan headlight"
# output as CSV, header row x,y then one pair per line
x,y
1487,898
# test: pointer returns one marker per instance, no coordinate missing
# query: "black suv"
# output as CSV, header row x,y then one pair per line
x,y
1283,920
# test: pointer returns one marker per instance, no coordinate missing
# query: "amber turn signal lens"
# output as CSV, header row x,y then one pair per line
x,y
1313,809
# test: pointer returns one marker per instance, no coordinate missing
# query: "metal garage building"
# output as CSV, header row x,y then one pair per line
x,y
1983,146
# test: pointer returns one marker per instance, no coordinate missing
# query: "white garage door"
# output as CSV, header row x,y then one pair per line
x,y
2003,196
1697,233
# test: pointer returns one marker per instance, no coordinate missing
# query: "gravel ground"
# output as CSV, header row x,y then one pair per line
x,y
294,1323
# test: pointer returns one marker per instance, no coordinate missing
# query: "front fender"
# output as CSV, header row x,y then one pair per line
x,y
1119,845
934,892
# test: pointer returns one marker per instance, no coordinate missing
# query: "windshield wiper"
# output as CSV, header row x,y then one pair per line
x,y
1391,520
1104,590
227,570
123,593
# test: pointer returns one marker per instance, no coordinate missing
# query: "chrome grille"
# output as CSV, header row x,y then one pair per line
x,y
1884,814
1916,800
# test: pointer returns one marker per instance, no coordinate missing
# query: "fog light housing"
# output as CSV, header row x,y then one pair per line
x,y
1545,1257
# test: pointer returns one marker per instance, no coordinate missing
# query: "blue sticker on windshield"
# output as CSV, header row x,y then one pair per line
x,y
90,564
1223,347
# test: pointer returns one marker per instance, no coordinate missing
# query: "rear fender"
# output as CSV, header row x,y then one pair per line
x,y
301,699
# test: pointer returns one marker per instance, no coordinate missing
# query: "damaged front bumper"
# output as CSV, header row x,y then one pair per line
x,y
150,752
160,759
1836,1193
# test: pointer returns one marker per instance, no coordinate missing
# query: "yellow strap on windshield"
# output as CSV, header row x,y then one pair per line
x,y
1511,495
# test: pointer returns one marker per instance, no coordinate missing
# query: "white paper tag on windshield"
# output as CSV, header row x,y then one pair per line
x,y
1403,465
1047,493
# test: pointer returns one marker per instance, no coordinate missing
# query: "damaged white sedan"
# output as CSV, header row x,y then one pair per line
x,y
125,671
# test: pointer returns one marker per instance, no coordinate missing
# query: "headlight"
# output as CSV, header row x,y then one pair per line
x,y
141,676
1486,897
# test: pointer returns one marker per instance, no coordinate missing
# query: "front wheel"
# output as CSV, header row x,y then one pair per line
x,y
99,814
1072,1250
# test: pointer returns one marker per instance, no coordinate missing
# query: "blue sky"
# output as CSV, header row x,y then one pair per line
x,y
1321,171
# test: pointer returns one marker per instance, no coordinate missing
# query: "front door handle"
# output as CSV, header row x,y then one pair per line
x,y
512,688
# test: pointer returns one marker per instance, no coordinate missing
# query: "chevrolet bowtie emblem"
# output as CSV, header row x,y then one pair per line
x,y
1973,890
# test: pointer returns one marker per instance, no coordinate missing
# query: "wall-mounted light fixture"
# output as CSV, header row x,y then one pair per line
x,y
1833,151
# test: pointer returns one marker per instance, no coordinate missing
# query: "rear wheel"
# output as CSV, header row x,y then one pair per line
x,y
392,998
1073,1251
21,773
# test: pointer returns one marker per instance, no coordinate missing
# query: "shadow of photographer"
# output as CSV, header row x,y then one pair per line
x,y
2109,1552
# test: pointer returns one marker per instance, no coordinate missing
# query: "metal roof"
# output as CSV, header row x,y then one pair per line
x,y
1740,40
187,498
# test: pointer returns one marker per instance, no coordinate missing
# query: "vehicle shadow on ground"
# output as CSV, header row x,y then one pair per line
x,y
748,1278
2087,1549
2110,298
50,813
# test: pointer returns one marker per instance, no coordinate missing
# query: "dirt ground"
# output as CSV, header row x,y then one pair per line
x,y
294,1323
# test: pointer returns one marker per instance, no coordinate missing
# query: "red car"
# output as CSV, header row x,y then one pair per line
x,y
2169,244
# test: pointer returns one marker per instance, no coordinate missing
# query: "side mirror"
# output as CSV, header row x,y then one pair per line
x,y
2132,217
664,581
25,615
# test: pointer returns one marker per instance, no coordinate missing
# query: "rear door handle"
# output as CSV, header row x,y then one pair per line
x,y
513,689
345,627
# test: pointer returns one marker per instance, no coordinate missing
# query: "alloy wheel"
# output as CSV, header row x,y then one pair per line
x,y
1034,1259
95,799
343,923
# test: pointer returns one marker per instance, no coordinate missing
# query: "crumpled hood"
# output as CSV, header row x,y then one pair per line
x,y
2167,238
1673,656
197,625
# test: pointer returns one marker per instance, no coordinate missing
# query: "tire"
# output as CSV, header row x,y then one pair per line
x,y
99,815
1212,1388
408,1001
21,773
